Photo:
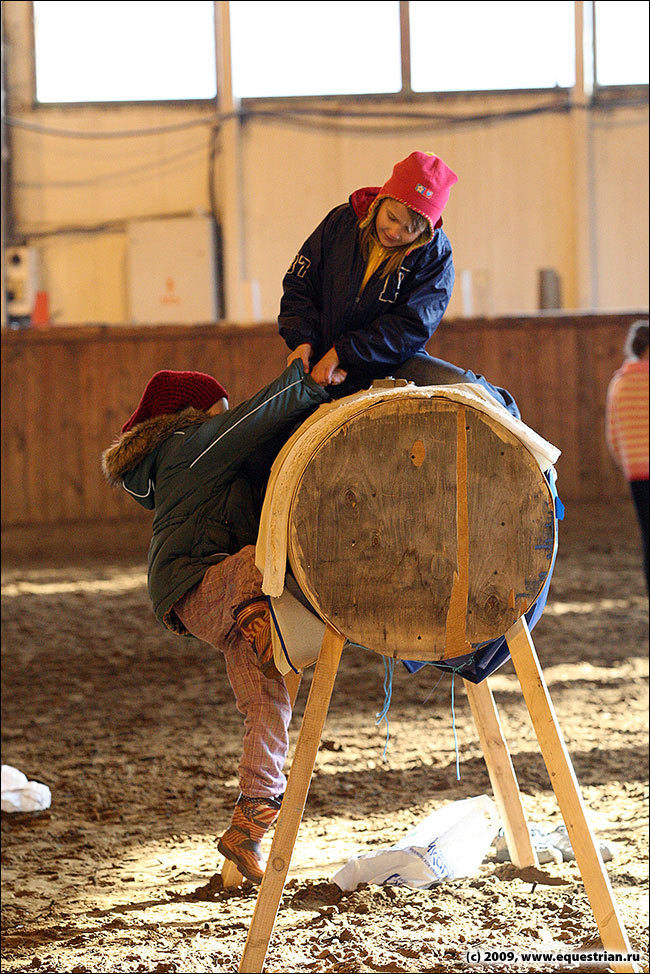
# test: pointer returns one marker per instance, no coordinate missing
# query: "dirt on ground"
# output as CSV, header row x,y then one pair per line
x,y
136,733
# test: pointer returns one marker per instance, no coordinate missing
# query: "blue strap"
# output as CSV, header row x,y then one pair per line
x,y
279,632
453,724
389,669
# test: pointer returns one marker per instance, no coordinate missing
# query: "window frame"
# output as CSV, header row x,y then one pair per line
x,y
601,95
132,103
606,95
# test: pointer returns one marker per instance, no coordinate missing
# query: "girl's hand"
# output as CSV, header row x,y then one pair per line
x,y
339,375
303,352
328,372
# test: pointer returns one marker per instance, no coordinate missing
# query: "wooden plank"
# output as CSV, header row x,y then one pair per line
x,y
584,407
99,434
293,681
567,791
37,450
230,875
293,804
563,418
502,773
15,457
608,357
75,425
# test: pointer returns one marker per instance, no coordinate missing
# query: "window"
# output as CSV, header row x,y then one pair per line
x,y
315,48
622,43
124,51
492,46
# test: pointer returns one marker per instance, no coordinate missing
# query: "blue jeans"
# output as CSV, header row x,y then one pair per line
x,y
424,370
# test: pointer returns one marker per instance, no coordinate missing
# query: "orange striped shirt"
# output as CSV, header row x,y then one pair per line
x,y
627,418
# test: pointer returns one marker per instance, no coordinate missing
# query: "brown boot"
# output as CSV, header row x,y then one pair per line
x,y
253,620
241,842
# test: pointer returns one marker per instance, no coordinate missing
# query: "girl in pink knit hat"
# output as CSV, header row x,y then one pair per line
x,y
371,284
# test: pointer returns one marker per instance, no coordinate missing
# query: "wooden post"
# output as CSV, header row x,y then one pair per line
x,y
230,875
567,791
293,804
293,681
502,773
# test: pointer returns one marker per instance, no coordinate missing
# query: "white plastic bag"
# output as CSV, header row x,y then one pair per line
x,y
449,844
21,795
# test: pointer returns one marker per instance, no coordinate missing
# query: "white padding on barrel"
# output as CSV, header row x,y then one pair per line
x,y
271,550
296,632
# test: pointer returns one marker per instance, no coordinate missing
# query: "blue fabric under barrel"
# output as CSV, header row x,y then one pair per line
x,y
486,659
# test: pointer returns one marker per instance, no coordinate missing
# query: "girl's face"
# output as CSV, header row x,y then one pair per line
x,y
394,224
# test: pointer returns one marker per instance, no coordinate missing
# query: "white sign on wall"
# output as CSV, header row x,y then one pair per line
x,y
172,271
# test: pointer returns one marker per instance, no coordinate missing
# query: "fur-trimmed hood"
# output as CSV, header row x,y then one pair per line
x,y
131,448
187,467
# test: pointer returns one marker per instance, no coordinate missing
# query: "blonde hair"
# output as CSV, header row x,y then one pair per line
x,y
368,235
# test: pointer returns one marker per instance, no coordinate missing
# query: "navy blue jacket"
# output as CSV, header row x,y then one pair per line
x,y
391,320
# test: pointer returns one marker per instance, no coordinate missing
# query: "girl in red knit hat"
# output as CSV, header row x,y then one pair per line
x,y
185,456
369,287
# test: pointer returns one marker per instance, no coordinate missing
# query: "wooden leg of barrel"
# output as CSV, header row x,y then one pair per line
x,y
293,804
567,791
230,875
293,681
502,773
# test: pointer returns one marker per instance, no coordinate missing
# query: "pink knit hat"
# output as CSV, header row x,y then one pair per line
x,y
169,392
422,182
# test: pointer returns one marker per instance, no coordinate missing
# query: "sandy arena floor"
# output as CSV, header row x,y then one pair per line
x,y
136,733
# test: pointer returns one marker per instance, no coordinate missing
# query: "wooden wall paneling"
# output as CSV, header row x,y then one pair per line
x,y
67,391
166,355
234,359
476,343
452,343
563,432
71,423
125,387
489,362
608,357
15,460
546,380
196,354
222,367
93,393
219,358
268,360
34,404
518,372
586,396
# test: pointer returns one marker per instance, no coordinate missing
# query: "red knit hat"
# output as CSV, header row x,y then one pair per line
x,y
169,392
422,182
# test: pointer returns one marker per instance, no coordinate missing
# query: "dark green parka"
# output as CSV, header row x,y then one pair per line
x,y
191,469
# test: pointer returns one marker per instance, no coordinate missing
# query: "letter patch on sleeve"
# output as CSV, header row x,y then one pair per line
x,y
300,266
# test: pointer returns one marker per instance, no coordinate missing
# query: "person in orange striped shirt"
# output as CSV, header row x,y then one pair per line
x,y
627,423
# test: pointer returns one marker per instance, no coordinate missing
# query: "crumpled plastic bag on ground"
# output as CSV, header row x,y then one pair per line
x,y
21,795
449,844
552,846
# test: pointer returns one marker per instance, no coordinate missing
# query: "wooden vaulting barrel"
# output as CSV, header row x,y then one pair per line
x,y
421,525
421,528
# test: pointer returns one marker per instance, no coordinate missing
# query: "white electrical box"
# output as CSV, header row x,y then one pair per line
x,y
172,275
21,280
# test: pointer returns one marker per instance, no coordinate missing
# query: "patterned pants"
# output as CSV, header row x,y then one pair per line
x,y
207,612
